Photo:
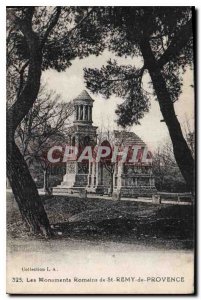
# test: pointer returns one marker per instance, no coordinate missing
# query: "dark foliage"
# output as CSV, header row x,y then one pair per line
x,y
126,28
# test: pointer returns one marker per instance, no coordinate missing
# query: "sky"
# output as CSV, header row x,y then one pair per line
x,y
70,83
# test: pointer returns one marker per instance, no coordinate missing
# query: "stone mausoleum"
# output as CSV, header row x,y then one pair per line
x,y
103,177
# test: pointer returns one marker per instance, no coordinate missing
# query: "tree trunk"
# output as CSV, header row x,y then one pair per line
x,y
25,192
111,184
45,181
181,150
22,184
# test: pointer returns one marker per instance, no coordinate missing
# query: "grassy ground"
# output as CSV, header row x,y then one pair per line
x,y
102,221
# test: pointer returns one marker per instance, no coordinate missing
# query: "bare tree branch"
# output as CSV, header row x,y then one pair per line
x,y
51,26
82,21
179,41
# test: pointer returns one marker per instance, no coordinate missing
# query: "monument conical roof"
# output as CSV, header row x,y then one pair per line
x,y
84,96
128,138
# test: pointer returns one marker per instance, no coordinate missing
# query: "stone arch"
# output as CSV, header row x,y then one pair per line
x,y
107,144
86,140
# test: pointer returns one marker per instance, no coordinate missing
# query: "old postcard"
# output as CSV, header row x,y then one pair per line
x,y
100,150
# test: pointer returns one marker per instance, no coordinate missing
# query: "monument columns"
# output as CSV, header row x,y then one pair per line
x,y
119,179
90,174
89,107
115,175
90,113
97,173
79,112
84,112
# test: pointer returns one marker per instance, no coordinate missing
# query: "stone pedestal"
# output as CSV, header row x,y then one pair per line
x,y
156,199
116,195
133,181
95,179
76,175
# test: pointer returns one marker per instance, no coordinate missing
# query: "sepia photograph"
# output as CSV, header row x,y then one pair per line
x,y
100,150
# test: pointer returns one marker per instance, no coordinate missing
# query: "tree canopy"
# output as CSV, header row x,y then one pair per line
x,y
39,38
169,33
162,38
